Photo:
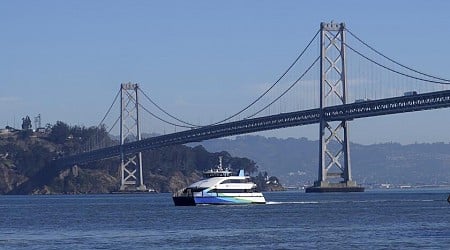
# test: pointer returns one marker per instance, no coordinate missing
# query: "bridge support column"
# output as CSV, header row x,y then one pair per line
x,y
130,165
334,163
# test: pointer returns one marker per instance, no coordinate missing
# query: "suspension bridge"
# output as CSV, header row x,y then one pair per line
x,y
318,91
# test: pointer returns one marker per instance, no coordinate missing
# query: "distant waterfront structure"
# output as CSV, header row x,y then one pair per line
x,y
37,122
5,131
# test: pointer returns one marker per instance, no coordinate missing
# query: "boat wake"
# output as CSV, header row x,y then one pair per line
x,y
290,202
335,201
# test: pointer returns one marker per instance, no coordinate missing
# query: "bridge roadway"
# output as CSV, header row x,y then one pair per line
x,y
402,104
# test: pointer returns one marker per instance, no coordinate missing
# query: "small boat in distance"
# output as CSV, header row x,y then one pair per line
x,y
220,187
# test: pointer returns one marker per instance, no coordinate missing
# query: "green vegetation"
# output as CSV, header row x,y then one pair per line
x,y
23,154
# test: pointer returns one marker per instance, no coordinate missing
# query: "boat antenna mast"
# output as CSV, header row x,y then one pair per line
x,y
220,162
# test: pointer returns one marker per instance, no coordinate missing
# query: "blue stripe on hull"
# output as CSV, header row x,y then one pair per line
x,y
220,200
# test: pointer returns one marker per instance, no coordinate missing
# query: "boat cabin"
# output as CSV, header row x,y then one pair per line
x,y
219,171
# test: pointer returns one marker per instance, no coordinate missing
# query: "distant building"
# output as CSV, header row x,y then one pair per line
x,y
4,131
7,130
41,130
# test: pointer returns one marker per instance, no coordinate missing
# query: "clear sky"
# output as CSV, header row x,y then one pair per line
x,y
202,60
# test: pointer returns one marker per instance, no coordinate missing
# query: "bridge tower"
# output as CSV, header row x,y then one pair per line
x,y
130,165
334,161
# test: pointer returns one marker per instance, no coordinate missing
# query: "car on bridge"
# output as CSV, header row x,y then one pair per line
x,y
409,93
361,100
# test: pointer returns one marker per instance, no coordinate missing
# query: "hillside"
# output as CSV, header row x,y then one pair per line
x,y
23,154
295,161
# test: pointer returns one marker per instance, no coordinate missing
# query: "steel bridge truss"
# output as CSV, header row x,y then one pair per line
x,y
395,105
334,159
332,115
130,162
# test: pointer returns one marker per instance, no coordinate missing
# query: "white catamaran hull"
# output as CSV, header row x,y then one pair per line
x,y
220,199
231,198
220,187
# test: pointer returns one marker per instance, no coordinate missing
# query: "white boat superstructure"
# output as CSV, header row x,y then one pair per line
x,y
220,187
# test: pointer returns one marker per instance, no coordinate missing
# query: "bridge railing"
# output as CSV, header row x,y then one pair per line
x,y
351,111
433,100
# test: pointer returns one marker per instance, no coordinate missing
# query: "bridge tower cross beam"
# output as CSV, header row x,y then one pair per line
x,y
334,158
130,165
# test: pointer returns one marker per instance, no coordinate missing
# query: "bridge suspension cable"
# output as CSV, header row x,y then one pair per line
x,y
93,142
157,117
445,81
115,123
165,112
163,120
107,113
275,83
190,125
287,90
393,70
109,110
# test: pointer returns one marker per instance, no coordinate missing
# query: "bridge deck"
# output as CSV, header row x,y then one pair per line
x,y
433,100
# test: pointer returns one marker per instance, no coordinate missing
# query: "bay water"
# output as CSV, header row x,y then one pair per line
x,y
375,219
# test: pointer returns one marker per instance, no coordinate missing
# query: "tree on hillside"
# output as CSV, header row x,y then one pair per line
x,y
60,132
26,123
79,138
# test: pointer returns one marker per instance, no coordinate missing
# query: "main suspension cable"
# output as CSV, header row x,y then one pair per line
x,y
117,120
157,117
290,87
109,110
393,70
242,110
393,61
165,112
273,85
163,120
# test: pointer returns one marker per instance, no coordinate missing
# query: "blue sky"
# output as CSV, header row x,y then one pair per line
x,y
201,60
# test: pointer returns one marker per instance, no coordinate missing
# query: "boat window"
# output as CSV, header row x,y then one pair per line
x,y
216,174
185,192
234,181
230,191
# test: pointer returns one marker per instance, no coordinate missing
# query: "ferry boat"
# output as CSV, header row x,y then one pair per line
x,y
220,187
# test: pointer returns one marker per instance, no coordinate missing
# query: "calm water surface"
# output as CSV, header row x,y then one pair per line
x,y
413,219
